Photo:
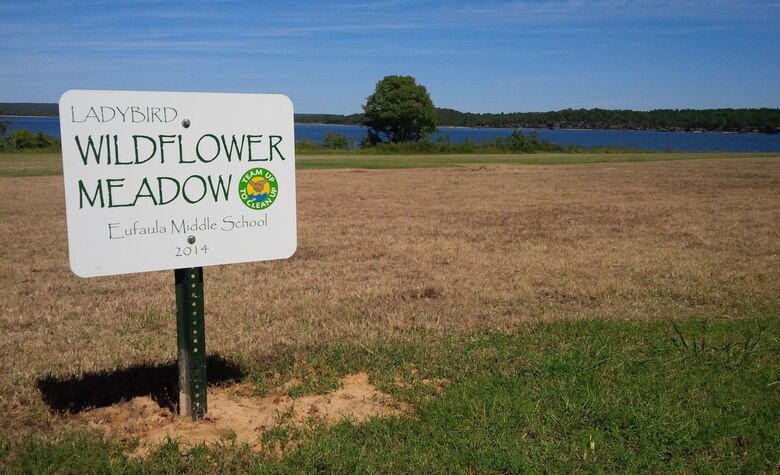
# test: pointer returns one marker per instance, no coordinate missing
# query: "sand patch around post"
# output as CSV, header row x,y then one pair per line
x,y
234,412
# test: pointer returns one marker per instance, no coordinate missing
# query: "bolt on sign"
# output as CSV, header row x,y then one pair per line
x,y
172,180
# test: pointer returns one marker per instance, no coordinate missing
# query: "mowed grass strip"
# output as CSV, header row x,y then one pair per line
x,y
606,396
30,164
46,164
334,161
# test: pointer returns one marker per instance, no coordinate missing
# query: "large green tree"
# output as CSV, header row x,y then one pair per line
x,y
399,110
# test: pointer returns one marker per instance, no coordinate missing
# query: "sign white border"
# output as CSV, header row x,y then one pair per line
x,y
158,187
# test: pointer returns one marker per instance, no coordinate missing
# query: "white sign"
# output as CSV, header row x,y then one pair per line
x,y
169,180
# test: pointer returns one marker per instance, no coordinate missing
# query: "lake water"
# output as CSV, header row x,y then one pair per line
x,y
680,141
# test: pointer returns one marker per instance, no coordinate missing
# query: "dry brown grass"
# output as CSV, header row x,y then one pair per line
x,y
384,254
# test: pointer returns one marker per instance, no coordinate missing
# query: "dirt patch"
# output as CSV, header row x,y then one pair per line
x,y
233,411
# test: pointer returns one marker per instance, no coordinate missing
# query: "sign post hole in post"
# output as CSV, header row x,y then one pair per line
x,y
173,180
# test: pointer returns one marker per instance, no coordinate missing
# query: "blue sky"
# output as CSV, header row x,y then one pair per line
x,y
480,56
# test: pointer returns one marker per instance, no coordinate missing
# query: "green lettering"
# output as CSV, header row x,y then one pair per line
x,y
233,147
116,153
90,146
160,188
255,139
110,184
144,194
98,194
197,149
274,146
220,187
135,144
184,189
163,142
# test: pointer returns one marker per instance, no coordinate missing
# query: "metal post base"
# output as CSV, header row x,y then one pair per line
x,y
191,341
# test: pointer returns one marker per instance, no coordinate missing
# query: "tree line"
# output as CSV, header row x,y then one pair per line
x,y
48,109
21,139
763,120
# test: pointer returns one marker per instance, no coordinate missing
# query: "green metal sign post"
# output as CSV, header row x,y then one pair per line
x,y
191,342
172,148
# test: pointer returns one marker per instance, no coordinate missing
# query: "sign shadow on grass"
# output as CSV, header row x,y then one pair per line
x,y
160,382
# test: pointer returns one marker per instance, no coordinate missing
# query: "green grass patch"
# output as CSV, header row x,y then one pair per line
x,y
601,396
305,162
45,164
28,163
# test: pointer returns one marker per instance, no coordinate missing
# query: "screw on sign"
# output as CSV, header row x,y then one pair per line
x,y
168,181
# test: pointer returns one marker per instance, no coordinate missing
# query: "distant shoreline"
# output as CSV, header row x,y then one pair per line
x,y
560,128
35,116
764,121
696,131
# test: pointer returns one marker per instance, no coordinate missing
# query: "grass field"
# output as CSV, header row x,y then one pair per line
x,y
572,315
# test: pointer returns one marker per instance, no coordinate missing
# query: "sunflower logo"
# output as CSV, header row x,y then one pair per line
x,y
258,188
